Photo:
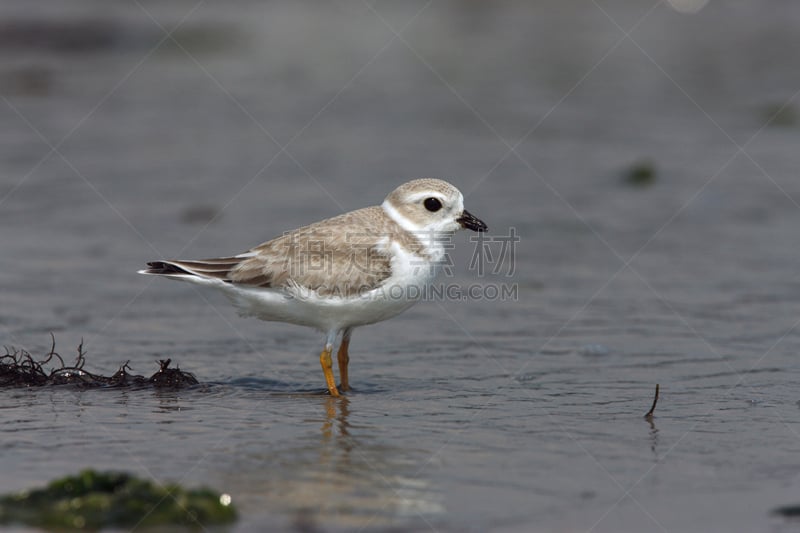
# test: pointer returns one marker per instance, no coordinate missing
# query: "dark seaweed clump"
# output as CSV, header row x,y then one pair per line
x,y
18,368
642,173
93,500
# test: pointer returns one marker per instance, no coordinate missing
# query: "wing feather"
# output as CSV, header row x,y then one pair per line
x,y
341,256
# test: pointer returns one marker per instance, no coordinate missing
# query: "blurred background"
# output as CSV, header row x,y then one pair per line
x,y
644,152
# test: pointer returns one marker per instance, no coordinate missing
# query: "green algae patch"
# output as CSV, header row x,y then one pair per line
x,y
642,173
780,115
93,500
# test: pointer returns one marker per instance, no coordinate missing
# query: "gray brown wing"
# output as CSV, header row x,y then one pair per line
x,y
338,256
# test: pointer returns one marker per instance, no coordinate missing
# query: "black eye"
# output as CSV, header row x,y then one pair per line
x,y
432,204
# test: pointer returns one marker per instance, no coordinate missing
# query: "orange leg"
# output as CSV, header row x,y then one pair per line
x,y
327,368
344,359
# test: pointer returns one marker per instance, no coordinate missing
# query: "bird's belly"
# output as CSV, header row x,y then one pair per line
x,y
321,312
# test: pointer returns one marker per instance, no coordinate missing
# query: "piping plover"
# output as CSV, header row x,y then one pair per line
x,y
350,270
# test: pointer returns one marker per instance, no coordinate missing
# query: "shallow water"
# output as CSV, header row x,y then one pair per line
x,y
120,145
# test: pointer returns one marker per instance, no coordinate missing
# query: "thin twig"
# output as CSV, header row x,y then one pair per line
x,y
52,352
653,408
81,360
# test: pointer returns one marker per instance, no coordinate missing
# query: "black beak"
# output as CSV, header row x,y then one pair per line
x,y
470,221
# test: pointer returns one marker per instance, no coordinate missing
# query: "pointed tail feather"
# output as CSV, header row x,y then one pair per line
x,y
164,268
210,269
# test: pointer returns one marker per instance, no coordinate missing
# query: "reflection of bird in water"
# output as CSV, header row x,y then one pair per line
x,y
337,476
336,419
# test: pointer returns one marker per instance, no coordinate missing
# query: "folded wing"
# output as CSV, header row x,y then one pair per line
x,y
341,256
